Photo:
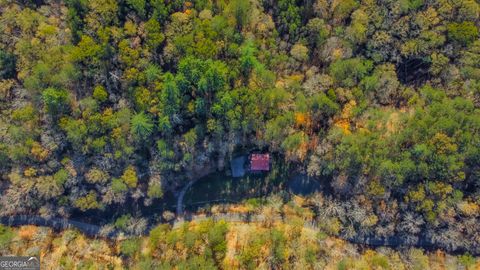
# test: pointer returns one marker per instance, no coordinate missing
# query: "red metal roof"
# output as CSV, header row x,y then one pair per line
x,y
260,162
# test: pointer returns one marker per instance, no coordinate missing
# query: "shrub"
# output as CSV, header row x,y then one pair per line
x,y
100,94
6,236
130,246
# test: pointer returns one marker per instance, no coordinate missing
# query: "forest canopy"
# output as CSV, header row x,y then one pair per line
x,y
104,102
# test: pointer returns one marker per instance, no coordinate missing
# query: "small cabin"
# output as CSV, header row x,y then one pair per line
x,y
259,162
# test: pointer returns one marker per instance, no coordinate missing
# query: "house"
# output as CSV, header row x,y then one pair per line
x,y
260,162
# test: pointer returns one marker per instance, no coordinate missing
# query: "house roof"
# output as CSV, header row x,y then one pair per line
x,y
260,162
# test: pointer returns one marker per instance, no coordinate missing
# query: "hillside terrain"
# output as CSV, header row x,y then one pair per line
x,y
108,105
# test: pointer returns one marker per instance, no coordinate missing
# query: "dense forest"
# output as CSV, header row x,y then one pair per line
x,y
106,102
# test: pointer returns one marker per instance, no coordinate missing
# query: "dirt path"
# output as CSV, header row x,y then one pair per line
x,y
180,197
57,224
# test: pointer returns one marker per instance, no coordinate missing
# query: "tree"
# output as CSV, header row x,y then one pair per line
x,y
56,101
439,63
6,236
357,31
76,130
241,11
7,65
170,98
87,202
295,145
160,10
467,260
130,246
299,52
190,139
155,37
48,187
88,51
102,13
118,186
155,190
289,17
464,33
383,83
141,126
349,72
129,177
138,6
247,59
410,5
60,177
96,175
152,74
277,129
100,94
76,12
418,259
343,9
323,107
470,67
317,32
4,156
